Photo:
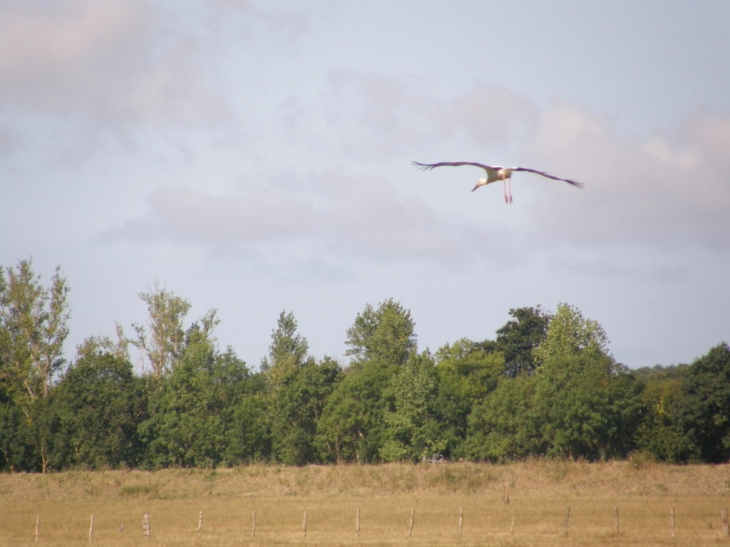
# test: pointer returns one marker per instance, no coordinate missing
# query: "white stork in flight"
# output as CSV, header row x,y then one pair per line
x,y
495,173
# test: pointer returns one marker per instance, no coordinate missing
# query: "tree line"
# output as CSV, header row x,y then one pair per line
x,y
545,386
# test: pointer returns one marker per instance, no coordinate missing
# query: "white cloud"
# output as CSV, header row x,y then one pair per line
x,y
333,217
670,190
491,116
116,65
393,114
366,216
259,216
40,43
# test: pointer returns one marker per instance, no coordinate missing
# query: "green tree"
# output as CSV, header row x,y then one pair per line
x,y
706,404
380,341
385,334
519,337
341,426
570,335
579,400
298,407
298,387
287,351
17,452
164,344
33,320
412,430
466,372
250,434
99,404
661,432
193,410
33,329
351,428
505,426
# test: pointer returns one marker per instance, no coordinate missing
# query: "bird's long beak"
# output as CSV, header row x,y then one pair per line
x,y
477,186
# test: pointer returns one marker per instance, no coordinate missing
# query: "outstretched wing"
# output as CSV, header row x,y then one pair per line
x,y
427,166
548,175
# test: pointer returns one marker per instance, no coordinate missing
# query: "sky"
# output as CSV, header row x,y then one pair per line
x,y
255,157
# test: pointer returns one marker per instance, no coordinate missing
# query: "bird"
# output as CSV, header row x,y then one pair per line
x,y
495,173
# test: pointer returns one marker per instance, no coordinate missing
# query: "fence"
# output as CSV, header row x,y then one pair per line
x,y
410,527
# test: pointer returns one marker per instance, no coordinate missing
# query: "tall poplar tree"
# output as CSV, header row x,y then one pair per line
x,y
162,340
33,320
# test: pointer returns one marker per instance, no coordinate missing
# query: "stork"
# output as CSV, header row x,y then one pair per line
x,y
495,173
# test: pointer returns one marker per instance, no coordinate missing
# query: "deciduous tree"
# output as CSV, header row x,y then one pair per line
x,y
412,430
385,334
519,337
578,400
33,322
706,404
99,404
192,412
162,341
466,374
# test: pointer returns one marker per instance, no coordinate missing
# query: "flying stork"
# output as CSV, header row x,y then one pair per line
x,y
495,173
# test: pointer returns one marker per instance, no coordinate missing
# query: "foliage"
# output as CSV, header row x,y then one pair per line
x,y
706,404
352,426
17,452
504,426
33,324
192,413
412,431
385,335
250,433
164,345
547,386
578,400
287,349
465,374
519,337
661,432
299,405
297,389
99,404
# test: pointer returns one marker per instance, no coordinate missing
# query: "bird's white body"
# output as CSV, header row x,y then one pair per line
x,y
495,173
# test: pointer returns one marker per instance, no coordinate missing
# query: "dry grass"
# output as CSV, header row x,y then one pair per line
x,y
540,492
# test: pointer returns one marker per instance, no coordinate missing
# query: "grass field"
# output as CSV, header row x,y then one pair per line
x,y
540,493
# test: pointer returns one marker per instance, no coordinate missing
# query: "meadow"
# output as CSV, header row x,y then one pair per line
x,y
550,503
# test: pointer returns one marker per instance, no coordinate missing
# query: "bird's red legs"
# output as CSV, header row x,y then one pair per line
x,y
507,193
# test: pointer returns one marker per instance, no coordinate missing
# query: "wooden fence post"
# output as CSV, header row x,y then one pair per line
x,y
725,525
617,522
91,528
357,523
253,526
200,522
304,525
566,522
461,520
146,525
37,527
410,526
512,524
671,519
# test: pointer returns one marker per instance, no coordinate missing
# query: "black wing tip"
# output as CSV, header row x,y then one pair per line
x,y
422,166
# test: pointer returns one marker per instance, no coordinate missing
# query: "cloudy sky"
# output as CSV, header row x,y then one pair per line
x,y
255,157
